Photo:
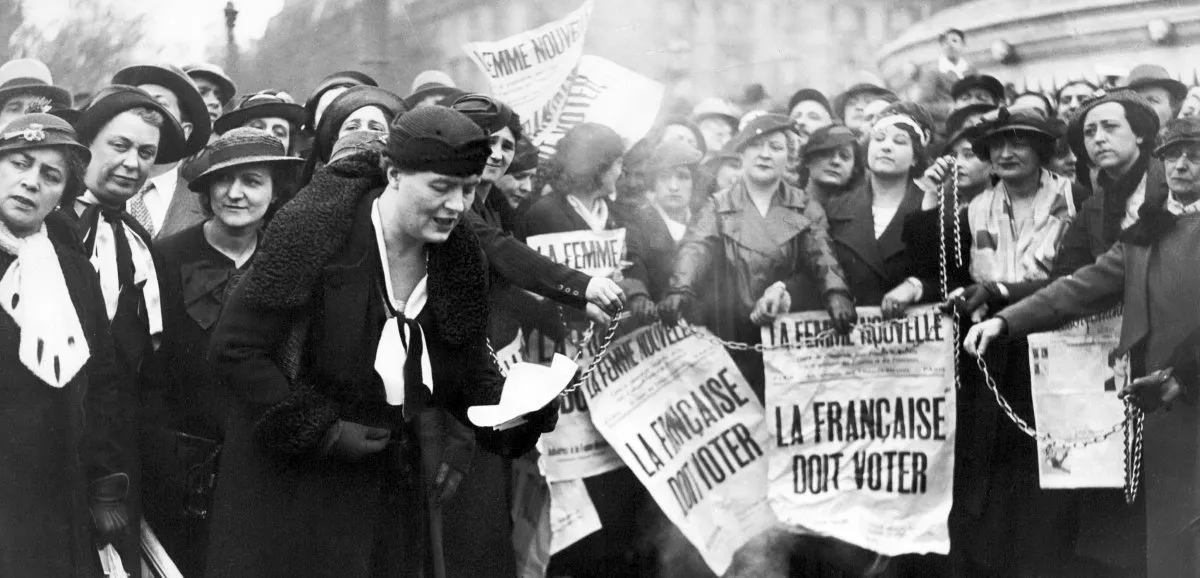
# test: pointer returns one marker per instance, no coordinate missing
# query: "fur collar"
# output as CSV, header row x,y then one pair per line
x,y
323,221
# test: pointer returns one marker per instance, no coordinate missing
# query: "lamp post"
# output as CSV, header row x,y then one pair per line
x,y
231,47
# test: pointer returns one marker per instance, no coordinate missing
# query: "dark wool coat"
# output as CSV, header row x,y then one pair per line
x,y
280,509
1158,285
54,440
872,266
651,250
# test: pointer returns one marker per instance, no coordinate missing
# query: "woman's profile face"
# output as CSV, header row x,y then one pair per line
x,y
365,118
32,182
240,196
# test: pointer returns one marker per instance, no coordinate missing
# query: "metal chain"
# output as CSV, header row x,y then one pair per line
x,y
587,374
1133,450
943,262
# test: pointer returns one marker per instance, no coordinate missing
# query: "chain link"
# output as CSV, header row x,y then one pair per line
x,y
579,347
944,261
1133,450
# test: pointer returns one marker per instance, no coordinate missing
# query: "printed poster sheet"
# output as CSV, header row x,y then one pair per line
x,y
1075,379
683,418
575,449
862,429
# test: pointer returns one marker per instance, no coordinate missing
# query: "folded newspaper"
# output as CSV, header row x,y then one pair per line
x,y
527,388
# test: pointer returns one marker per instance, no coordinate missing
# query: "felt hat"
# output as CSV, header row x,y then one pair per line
x,y
810,94
30,76
40,130
828,138
177,81
958,119
489,113
240,146
116,99
358,141
216,75
715,108
335,80
988,83
344,105
761,126
526,157
259,105
839,102
1027,121
1185,130
671,154
440,140
433,83
1147,75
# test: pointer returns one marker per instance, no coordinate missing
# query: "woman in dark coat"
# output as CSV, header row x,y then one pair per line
x,y
355,346
359,107
243,176
867,223
832,163
61,420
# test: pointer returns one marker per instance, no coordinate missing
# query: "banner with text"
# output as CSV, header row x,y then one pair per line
x,y
545,77
1075,379
862,428
683,418
575,449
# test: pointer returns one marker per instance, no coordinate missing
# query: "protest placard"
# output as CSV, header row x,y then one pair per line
x,y
1075,379
545,77
575,449
685,421
862,428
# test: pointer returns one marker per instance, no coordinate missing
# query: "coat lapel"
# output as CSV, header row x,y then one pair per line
x,y
892,240
852,225
183,211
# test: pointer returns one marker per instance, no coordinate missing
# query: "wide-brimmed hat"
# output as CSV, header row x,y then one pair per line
x,y
761,126
41,130
433,83
1146,75
839,102
240,146
828,138
335,80
1138,112
30,76
1027,121
991,84
177,81
216,75
259,105
810,94
671,154
957,119
355,97
116,99
1179,131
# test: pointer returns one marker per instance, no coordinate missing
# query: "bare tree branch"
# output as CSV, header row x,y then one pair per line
x,y
89,46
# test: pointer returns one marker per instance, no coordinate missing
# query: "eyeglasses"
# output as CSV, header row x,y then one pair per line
x,y
1173,154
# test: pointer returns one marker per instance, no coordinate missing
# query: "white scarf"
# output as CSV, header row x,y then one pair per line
x,y
595,216
104,260
391,353
34,293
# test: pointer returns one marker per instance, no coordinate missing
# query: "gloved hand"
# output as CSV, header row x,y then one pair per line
x,y
354,441
775,301
107,502
841,312
546,419
1153,391
972,298
642,310
674,307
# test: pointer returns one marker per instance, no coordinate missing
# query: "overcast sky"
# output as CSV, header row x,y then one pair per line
x,y
177,30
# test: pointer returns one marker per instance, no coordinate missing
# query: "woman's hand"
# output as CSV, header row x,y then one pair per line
x,y
354,441
775,301
932,180
605,294
642,310
1153,391
983,334
107,497
841,312
898,300
673,308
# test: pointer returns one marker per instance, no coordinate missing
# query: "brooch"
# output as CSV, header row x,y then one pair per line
x,y
33,133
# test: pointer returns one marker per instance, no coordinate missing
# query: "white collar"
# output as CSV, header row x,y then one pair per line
x,y
165,183
1176,207
675,228
392,351
596,216
959,68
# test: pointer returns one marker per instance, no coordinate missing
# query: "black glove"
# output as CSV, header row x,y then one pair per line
x,y
546,419
841,312
107,500
674,307
643,310
354,441
978,295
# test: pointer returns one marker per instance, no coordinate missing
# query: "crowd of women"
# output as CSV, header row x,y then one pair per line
x,y
255,328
